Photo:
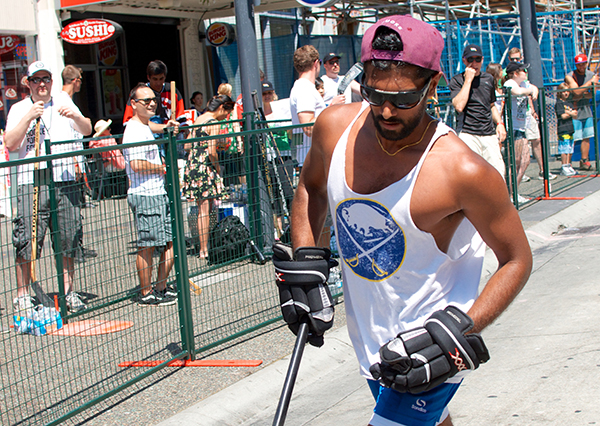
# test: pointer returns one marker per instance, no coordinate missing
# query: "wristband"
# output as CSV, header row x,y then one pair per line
x,y
500,124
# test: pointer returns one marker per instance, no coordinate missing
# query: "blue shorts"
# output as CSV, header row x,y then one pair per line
x,y
519,134
565,144
423,409
584,129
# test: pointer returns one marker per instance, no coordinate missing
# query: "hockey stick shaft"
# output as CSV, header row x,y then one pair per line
x,y
43,298
36,196
290,378
352,73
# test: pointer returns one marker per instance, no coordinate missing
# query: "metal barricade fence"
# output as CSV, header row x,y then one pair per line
x,y
51,378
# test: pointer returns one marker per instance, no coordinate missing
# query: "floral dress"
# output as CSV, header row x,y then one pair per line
x,y
200,179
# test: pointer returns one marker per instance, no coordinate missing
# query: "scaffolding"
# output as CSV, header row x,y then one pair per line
x,y
563,29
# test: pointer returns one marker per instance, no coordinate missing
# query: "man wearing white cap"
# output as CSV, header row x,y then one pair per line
x,y
332,79
59,118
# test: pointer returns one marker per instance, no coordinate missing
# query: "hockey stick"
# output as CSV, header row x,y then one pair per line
x,y
173,102
43,298
292,373
352,73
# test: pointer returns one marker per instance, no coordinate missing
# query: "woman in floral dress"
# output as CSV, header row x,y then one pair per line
x,y
202,177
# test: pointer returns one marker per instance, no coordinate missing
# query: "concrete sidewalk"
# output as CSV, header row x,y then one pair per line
x,y
545,352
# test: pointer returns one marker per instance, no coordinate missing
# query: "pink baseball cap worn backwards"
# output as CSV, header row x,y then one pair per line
x,y
423,44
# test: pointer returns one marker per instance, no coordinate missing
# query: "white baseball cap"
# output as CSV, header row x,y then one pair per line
x,y
36,67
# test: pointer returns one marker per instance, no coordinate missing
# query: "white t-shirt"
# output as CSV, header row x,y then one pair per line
x,y
304,97
519,106
331,89
142,183
54,127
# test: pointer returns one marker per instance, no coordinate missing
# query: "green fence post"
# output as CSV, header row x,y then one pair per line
x,y
545,144
56,241
179,248
511,148
595,115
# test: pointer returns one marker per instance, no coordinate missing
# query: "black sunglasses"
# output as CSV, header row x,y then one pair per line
x,y
37,80
401,100
475,58
515,59
146,101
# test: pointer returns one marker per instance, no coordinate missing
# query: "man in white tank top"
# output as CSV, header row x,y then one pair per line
x,y
412,206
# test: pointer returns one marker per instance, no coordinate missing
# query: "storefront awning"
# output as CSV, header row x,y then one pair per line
x,y
190,9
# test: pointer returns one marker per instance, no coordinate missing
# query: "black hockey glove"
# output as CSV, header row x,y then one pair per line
x,y
420,359
303,291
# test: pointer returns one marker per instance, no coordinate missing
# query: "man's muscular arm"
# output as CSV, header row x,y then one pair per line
x,y
486,204
307,117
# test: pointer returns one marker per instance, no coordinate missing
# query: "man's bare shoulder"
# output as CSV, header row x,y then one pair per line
x,y
335,119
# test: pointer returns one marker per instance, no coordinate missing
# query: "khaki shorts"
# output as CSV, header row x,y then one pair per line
x,y
486,146
532,130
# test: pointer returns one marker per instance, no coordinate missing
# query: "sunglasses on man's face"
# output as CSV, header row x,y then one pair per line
x,y
401,100
515,59
475,58
38,80
146,101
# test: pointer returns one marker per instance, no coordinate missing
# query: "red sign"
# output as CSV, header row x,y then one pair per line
x,y
64,4
89,31
8,43
220,34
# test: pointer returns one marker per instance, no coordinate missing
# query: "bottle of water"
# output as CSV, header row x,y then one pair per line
x,y
334,282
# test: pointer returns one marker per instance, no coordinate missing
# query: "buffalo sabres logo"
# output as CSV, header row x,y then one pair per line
x,y
369,239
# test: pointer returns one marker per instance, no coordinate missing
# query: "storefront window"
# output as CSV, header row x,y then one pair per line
x,y
13,64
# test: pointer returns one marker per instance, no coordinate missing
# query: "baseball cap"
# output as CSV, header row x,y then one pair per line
x,y
36,67
472,50
267,86
330,56
101,126
581,58
423,44
515,66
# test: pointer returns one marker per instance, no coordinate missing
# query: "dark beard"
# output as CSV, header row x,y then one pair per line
x,y
409,127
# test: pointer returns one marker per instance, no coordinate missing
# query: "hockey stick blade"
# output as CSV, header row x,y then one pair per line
x,y
352,73
290,378
43,298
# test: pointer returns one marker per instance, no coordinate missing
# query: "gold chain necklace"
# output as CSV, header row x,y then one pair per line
x,y
405,146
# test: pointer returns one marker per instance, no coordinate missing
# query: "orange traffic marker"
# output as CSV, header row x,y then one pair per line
x,y
91,328
196,363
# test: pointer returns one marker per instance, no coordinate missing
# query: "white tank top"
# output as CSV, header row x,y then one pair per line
x,y
394,274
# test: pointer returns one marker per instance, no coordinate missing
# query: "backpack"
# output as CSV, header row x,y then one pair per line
x,y
227,240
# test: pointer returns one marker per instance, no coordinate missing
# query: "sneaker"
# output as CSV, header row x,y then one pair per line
x,y
154,298
170,291
89,253
74,302
567,170
550,176
525,178
572,170
23,303
521,199
585,165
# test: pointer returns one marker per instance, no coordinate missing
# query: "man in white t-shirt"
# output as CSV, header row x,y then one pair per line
x,y
332,79
60,120
148,200
305,101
